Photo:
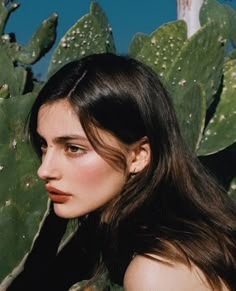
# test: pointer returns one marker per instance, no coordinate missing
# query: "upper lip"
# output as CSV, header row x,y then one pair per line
x,y
54,190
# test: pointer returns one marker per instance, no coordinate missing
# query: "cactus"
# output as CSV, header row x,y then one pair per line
x,y
200,77
221,130
211,10
137,43
159,50
210,50
91,34
6,10
182,65
172,56
41,41
22,204
12,77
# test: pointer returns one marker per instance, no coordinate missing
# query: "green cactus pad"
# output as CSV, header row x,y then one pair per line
x,y
221,130
91,34
22,206
9,46
163,45
199,61
223,16
41,41
22,201
103,22
14,77
21,77
5,11
212,10
191,110
137,43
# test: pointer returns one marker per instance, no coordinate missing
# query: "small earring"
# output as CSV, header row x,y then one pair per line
x,y
132,174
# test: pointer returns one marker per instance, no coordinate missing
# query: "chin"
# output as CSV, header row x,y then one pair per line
x,y
63,211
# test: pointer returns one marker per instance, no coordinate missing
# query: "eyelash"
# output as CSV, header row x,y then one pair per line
x,y
74,149
71,149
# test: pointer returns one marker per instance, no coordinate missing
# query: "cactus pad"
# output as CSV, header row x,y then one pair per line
x,y
160,49
221,130
222,15
202,66
22,202
91,34
13,77
41,41
191,111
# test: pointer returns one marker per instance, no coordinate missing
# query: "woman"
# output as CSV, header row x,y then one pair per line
x,y
111,148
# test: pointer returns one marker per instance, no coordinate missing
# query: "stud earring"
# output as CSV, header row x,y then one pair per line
x,y
132,174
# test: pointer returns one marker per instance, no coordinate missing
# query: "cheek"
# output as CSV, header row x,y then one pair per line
x,y
92,170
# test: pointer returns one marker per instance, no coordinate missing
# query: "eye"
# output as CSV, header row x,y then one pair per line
x,y
74,149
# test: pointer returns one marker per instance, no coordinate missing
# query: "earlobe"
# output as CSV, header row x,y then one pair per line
x,y
141,153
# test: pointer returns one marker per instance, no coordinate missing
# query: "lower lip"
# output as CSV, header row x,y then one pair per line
x,y
59,198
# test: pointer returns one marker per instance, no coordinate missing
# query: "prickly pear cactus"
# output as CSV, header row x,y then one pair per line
x,y
12,78
40,43
223,15
23,205
90,34
199,73
176,59
221,130
159,50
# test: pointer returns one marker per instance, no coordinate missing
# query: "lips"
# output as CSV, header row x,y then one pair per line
x,y
56,195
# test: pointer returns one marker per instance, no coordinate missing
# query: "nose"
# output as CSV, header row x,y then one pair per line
x,y
49,168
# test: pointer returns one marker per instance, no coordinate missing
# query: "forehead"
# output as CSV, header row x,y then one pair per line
x,y
58,119
58,116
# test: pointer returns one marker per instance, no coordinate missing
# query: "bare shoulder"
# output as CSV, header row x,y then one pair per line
x,y
153,274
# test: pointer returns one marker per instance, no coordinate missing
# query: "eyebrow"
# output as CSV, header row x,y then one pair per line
x,y
66,138
62,139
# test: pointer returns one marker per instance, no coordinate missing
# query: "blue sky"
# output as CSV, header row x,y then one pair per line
x,y
126,17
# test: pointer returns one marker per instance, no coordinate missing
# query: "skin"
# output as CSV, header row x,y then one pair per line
x,y
147,274
71,165
158,274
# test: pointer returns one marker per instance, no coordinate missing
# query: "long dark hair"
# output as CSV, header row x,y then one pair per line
x,y
173,208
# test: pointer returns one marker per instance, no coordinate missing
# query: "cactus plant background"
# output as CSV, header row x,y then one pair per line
x,y
199,72
22,207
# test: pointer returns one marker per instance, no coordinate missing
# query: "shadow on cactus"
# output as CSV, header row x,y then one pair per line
x,y
200,73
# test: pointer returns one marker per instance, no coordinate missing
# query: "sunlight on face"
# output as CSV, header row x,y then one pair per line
x,y
78,179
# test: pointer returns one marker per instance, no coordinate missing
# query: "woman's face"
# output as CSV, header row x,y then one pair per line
x,y
77,178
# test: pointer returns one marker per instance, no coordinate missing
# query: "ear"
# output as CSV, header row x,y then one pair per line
x,y
140,155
